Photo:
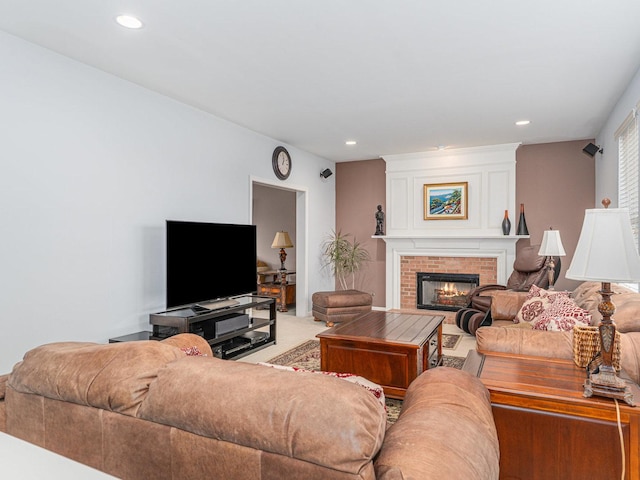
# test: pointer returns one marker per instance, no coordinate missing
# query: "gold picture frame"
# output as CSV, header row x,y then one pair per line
x,y
446,201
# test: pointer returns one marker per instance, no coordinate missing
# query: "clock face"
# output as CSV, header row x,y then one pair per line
x,y
281,162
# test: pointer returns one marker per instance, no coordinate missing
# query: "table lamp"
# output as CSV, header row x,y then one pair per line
x,y
282,241
551,247
606,252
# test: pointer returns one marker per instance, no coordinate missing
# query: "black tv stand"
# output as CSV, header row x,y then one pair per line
x,y
227,345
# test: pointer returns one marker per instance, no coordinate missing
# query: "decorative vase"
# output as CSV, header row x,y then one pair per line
x,y
522,223
506,223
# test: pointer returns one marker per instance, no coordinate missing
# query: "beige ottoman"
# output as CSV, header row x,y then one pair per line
x,y
340,306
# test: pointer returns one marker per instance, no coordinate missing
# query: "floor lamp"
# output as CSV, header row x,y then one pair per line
x,y
606,252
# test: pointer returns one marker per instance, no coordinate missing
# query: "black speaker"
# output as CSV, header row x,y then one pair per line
x,y
592,149
326,173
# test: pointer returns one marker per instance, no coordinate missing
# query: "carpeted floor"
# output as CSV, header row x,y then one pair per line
x,y
307,356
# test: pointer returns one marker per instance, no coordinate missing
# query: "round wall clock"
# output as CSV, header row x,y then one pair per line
x,y
281,161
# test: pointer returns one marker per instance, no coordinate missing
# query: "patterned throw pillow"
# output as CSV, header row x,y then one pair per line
x,y
562,316
373,388
193,352
538,300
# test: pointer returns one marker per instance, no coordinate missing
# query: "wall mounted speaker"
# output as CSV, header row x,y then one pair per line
x,y
326,173
591,149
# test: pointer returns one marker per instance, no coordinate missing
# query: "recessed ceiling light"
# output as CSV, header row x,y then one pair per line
x,y
523,122
441,147
129,21
350,142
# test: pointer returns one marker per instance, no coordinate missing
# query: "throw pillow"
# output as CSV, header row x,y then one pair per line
x,y
562,316
193,352
538,300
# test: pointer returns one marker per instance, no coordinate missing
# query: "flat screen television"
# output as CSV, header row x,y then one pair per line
x,y
209,261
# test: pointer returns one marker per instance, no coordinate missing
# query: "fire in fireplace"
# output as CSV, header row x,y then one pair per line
x,y
445,291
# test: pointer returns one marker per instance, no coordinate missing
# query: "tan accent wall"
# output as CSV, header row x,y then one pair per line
x,y
556,182
360,188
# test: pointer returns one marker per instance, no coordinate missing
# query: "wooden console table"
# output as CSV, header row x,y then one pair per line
x,y
280,287
547,429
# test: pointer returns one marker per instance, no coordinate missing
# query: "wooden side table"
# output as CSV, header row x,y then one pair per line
x,y
547,429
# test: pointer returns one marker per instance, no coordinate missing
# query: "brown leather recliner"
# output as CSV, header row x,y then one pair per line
x,y
529,268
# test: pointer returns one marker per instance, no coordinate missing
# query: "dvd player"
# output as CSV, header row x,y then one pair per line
x,y
255,336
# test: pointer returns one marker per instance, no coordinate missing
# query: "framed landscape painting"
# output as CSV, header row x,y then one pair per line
x,y
445,201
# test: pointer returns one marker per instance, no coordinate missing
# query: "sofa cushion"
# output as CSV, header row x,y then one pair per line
x,y
626,301
537,301
315,418
114,376
627,314
561,315
630,355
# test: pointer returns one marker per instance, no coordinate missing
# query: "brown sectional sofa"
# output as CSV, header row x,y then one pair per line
x,y
141,410
507,337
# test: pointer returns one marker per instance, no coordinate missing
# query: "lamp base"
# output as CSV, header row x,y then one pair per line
x,y
608,384
551,273
283,257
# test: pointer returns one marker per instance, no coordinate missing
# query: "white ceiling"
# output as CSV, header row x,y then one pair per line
x,y
397,76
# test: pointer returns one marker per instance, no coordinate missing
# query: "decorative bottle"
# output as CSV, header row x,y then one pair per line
x,y
506,223
522,223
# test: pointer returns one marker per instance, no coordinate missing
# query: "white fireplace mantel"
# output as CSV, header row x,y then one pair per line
x,y
500,247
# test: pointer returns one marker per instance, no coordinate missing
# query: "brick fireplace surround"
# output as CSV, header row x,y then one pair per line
x,y
410,265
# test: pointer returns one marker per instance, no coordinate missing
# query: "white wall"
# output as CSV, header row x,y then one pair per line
x,y
607,162
92,166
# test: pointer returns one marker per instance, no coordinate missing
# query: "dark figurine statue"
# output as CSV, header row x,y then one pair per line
x,y
379,221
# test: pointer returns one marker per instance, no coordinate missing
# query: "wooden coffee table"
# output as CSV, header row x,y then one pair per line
x,y
547,429
390,349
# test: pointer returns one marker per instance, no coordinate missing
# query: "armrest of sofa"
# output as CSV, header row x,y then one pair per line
x,y
445,431
3,414
190,344
505,304
520,341
479,297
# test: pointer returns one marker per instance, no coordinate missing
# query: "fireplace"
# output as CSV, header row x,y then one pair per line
x,y
444,291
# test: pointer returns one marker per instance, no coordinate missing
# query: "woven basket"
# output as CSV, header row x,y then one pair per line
x,y
586,343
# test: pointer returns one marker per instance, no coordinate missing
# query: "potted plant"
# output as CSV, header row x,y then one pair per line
x,y
344,256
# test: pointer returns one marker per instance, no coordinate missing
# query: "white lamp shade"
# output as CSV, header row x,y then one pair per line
x,y
551,244
606,250
282,240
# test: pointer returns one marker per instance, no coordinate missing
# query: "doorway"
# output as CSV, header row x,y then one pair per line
x,y
275,208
